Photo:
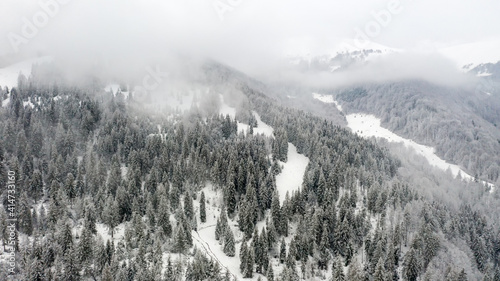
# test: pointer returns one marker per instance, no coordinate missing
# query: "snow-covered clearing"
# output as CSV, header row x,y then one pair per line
x,y
327,99
291,176
367,125
204,238
9,74
114,88
118,232
262,128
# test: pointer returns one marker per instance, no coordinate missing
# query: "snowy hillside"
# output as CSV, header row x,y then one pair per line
x,y
9,74
369,126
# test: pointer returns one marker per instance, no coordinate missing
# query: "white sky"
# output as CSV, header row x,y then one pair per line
x,y
252,31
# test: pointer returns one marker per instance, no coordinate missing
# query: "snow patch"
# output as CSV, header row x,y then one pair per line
x,y
367,125
9,74
225,109
484,74
327,99
290,178
262,128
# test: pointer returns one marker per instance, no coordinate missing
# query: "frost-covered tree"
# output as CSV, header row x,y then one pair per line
x,y
203,212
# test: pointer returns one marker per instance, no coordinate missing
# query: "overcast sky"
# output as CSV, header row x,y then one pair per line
x,y
238,32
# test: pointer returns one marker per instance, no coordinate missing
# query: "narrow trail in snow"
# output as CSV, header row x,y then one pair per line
x,y
210,253
205,227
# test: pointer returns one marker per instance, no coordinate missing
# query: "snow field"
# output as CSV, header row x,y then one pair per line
x,y
327,99
367,125
9,74
290,178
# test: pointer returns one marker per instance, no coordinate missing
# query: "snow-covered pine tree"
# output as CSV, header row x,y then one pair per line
x,y
203,212
229,247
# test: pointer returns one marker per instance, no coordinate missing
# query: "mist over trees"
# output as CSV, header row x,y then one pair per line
x,y
89,160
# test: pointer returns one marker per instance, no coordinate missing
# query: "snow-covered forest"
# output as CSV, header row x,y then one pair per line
x,y
231,186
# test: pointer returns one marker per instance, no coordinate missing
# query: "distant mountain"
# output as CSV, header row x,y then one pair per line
x,y
349,53
470,56
487,70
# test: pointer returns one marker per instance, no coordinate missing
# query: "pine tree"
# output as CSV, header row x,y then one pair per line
x,y
65,238
203,212
188,206
380,271
282,251
107,275
355,272
163,217
180,240
411,266
36,185
229,248
85,246
231,198
337,271
270,272
71,265
243,257
250,261
276,213
462,276
324,255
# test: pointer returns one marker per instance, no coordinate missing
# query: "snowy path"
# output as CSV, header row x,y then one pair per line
x,y
198,240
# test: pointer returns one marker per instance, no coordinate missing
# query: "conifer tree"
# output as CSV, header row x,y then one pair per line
x,y
231,198
203,212
180,239
380,271
337,271
229,247
411,266
85,246
243,257
163,217
188,206
282,250
250,261
324,255
355,272
270,272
